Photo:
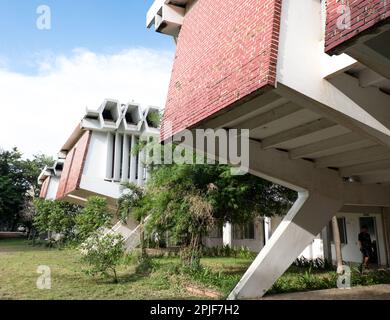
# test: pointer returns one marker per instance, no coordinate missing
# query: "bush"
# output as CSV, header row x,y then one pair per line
x,y
227,251
103,254
55,216
92,217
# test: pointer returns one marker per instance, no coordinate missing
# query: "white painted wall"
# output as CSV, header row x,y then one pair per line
x,y
95,163
53,187
350,251
303,64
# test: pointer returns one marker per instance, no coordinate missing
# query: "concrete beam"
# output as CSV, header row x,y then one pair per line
x,y
354,157
328,144
365,168
270,116
294,133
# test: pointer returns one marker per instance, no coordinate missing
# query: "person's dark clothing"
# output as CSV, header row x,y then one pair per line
x,y
366,244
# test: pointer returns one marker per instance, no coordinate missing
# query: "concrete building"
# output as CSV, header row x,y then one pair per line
x,y
256,234
310,79
98,155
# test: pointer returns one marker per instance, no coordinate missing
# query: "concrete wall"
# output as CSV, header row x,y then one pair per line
x,y
350,251
52,188
226,50
364,14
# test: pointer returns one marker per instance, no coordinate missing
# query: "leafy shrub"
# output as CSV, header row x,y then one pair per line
x,y
227,251
92,217
313,264
103,254
55,216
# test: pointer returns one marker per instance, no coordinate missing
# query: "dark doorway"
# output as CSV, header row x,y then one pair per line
x,y
370,222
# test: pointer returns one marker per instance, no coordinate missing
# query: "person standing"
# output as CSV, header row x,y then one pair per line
x,y
365,246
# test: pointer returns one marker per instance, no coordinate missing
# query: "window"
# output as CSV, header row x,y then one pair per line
x,y
342,229
244,231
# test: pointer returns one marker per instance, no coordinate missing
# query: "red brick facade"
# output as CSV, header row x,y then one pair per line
x,y
74,166
365,14
44,188
226,51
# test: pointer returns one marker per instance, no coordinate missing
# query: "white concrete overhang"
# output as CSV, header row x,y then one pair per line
x,y
150,115
167,16
132,118
283,125
371,48
45,173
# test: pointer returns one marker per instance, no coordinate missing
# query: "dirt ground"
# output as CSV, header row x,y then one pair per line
x,y
376,292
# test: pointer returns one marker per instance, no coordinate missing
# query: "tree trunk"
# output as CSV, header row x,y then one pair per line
x,y
337,243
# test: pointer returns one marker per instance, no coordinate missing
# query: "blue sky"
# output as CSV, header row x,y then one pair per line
x,y
102,26
95,49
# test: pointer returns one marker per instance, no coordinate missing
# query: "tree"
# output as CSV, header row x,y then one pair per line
x,y
92,217
52,216
103,254
13,187
186,200
32,169
129,203
337,243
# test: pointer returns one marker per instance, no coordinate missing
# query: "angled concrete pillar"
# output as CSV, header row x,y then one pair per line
x,y
227,234
125,158
301,225
133,161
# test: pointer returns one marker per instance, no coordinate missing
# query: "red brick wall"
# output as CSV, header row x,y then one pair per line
x,y
44,188
364,15
74,166
227,49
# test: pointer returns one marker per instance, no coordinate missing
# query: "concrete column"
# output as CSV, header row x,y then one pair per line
x,y
267,229
326,243
141,159
125,158
386,232
110,155
302,224
117,157
133,160
227,234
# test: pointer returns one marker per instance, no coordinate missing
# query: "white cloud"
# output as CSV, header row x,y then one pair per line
x,y
39,112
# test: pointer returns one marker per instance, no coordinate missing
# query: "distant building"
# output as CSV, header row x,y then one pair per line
x,y
99,154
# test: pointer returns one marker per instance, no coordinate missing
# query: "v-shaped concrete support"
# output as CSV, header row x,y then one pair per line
x,y
302,224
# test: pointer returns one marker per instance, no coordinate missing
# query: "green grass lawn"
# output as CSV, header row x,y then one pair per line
x,y
18,275
19,262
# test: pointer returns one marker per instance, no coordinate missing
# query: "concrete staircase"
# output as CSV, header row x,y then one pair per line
x,y
131,234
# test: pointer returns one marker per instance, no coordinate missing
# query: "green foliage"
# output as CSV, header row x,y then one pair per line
x,y
18,184
92,217
13,187
55,216
227,251
154,119
316,264
103,254
186,200
32,169
129,200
